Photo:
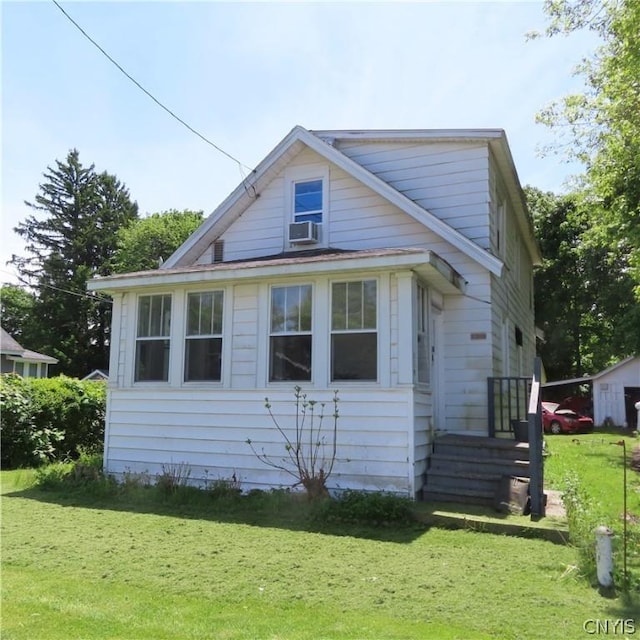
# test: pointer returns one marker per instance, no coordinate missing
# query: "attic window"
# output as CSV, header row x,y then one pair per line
x,y
307,201
218,252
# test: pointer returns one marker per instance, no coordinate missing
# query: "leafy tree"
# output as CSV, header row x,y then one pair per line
x,y
70,239
147,241
600,126
583,292
16,311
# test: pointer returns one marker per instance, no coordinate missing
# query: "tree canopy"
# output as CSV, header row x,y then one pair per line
x,y
583,293
69,239
600,126
144,243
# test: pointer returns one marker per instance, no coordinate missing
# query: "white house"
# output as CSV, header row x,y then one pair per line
x,y
394,266
14,358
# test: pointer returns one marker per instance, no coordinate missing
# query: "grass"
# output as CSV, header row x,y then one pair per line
x,y
135,566
593,464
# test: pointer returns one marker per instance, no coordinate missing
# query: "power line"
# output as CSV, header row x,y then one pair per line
x,y
79,294
171,113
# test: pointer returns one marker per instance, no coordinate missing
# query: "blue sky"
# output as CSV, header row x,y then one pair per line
x,y
243,74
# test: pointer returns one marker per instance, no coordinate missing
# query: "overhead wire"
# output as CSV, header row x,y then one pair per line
x,y
40,285
150,95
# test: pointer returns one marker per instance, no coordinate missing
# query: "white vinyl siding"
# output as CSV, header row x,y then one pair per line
x,y
149,429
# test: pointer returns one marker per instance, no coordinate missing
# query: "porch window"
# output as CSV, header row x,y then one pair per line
x,y
152,338
354,335
423,345
203,342
290,334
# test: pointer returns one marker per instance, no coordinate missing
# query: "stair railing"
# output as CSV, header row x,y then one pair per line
x,y
536,463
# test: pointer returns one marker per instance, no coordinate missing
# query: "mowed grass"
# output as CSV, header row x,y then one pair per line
x,y
77,566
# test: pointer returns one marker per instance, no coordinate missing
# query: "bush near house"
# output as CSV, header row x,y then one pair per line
x,y
47,419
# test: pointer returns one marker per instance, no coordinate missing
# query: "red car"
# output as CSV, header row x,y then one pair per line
x,y
558,419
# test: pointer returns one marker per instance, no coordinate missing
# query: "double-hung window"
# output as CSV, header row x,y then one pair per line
x,y
354,335
152,338
203,341
307,201
290,333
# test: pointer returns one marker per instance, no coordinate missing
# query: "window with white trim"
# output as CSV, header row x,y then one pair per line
x,y
422,335
354,333
203,340
152,338
290,337
308,201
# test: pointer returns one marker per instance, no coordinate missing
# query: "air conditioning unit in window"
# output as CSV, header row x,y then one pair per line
x,y
304,232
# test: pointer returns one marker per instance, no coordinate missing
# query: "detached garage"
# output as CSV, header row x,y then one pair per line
x,y
615,392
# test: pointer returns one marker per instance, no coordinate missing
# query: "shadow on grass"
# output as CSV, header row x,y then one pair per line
x,y
278,509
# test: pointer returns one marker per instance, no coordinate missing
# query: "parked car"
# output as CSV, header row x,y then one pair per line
x,y
557,418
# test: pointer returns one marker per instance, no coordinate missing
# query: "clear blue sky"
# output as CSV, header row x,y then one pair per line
x,y
243,74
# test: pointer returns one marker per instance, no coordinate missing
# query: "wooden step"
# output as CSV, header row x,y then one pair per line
x,y
485,465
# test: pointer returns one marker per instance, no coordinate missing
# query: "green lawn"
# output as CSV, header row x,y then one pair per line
x,y
76,566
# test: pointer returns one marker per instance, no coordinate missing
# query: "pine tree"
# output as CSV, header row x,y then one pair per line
x,y
72,238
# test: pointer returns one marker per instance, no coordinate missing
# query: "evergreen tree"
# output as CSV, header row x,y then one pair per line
x,y
71,238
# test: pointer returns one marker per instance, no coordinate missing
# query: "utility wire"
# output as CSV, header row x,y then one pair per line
x,y
171,113
79,294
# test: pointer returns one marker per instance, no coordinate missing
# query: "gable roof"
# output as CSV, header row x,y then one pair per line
x,y
15,351
8,345
595,376
240,199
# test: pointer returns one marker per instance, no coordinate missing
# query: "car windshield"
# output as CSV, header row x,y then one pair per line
x,y
550,406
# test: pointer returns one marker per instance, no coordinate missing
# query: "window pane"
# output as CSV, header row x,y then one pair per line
x,y
354,356
369,320
308,196
291,309
218,297
19,368
290,358
339,306
144,310
277,309
354,305
203,359
155,323
152,360
206,314
193,321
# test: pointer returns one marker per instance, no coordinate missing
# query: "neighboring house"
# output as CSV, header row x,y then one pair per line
x,y
394,266
615,391
14,358
97,374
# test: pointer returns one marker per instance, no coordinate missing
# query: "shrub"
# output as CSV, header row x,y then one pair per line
x,y
310,453
24,443
46,419
85,473
366,507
